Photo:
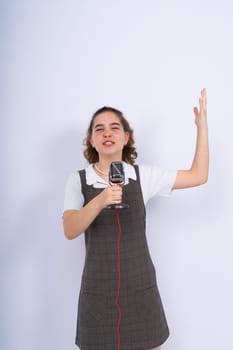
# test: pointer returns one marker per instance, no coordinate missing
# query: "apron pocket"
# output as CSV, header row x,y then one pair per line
x,y
149,305
92,308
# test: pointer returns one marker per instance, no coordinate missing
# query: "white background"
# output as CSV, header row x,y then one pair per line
x,y
60,61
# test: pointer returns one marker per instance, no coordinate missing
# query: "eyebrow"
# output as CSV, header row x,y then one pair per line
x,y
112,124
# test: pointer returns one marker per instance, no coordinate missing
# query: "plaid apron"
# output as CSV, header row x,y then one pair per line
x,y
143,324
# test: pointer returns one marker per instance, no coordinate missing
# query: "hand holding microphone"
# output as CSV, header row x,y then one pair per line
x,y
117,177
111,195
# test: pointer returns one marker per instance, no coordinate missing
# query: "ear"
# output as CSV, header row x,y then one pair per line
x,y
126,137
91,141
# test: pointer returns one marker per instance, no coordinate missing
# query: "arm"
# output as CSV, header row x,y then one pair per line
x,y
77,221
198,173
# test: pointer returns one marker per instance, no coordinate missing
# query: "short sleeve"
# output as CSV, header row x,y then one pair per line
x,y
73,193
156,181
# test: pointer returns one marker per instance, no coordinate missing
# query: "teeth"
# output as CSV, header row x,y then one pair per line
x,y
108,143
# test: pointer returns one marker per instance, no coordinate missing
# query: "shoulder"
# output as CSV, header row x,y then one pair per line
x,y
73,192
154,171
75,174
145,171
148,171
73,179
156,180
129,170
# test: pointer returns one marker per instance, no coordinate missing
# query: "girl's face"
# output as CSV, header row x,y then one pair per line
x,y
108,136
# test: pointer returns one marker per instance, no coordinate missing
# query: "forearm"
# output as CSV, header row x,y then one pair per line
x,y
76,222
200,165
199,170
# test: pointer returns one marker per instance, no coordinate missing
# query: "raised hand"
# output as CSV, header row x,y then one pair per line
x,y
201,113
198,173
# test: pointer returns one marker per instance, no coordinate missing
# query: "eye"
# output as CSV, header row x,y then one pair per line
x,y
99,129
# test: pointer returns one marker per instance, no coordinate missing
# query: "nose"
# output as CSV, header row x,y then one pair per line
x,y
107,133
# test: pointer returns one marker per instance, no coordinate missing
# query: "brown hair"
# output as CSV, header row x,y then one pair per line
x,y
129,153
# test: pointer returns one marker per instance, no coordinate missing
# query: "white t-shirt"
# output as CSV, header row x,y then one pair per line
x,y
155,181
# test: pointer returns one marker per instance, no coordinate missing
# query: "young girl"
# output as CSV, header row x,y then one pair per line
x,y
119,302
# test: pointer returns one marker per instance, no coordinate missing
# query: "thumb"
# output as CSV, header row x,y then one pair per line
x,y
195,110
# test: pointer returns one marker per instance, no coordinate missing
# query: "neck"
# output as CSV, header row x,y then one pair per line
x,y
103,165
99,171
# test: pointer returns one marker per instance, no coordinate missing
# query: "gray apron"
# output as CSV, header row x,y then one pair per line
x,y
143,324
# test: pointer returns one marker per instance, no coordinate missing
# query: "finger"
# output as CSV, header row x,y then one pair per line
x,y
116,199
117,196
117,192
204,97
203,92
203,105
195,110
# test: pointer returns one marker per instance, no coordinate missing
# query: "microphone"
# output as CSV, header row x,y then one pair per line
x,y
116,173
117,176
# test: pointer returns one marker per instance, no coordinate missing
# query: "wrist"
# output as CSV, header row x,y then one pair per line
x,y
202,127
99,203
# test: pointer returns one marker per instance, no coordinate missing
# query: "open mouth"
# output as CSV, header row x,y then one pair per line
x,y
108,143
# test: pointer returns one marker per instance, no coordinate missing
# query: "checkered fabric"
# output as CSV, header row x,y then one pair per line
x,y
143,324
